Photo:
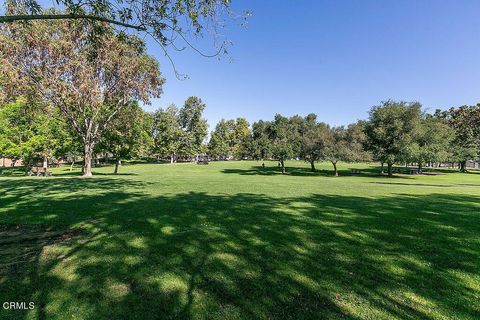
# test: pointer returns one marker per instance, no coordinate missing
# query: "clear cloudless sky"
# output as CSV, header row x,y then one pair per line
x,y
334,58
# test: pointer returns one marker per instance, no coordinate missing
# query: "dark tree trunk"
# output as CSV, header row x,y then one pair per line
x,y
335,171
419,167
117,164
87,159
463,166
381,163
282,164
389,166
312,166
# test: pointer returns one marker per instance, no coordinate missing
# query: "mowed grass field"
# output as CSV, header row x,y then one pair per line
x,y
231,240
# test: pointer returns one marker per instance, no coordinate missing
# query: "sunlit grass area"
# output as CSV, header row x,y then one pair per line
x,y
231,240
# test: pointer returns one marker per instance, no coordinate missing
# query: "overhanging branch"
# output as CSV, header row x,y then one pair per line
x,y
13,18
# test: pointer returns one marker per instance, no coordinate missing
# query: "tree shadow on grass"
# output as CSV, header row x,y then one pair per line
x,y
68,173
245,256
415,184
306,172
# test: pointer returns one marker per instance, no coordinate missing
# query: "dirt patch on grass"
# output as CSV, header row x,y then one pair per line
x,y
21,245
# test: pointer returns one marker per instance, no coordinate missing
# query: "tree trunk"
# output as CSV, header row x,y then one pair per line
x,y
382,166
389,166
172,158
282,164
45,166
335,171
118,163
87,159
312,165
463,166
3,165
419,167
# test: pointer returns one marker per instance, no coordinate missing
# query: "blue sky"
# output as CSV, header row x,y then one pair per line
x,y
336,59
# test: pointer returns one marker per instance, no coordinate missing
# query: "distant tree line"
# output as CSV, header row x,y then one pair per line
x,y
395,132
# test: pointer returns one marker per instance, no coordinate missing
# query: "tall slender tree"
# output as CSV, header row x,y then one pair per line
x,y
166,132
194,126
282,135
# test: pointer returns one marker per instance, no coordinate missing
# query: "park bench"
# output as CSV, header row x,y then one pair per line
x,y
39,171
355,171
415,171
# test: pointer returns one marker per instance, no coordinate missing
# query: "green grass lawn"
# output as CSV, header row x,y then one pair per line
x,y
233,241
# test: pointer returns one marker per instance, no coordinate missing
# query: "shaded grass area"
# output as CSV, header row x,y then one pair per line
x,y
195,242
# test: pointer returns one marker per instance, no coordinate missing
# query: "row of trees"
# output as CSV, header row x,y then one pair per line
x,y
31,134
395,132
286,138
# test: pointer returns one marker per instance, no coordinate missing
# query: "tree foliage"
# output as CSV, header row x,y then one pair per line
x,y
166,132
231,138
89,81
128,135
391,130
172,23
32,133
194,126
465,122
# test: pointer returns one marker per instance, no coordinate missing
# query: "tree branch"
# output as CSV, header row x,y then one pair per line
x,y
13,18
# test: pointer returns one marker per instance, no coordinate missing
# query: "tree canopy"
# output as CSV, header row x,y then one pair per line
x,y
174,24
90,82
391,130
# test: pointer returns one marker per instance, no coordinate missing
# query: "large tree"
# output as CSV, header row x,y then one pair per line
x,y
90,81
260,146
391,130
465,121
241,138
282,136
32,133
221,140
231,138
128,135
166,132
314,142
433,141
194,126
